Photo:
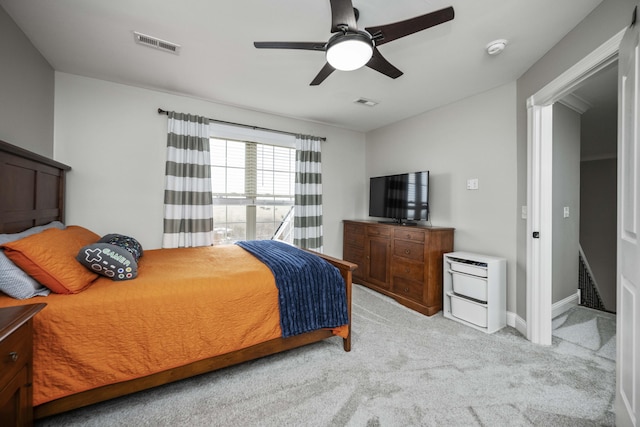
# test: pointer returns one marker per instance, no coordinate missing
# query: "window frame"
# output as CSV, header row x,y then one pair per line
x,y
252,136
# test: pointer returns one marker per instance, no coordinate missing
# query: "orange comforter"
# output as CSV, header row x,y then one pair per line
x,y
185,305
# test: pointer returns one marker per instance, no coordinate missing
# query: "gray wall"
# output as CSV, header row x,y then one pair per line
x,y
598,224
598,219
609,18
27,91
566,193
457,142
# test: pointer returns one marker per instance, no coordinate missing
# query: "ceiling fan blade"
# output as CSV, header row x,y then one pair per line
x,y
380,64
323,74
342,14
387,33
291,45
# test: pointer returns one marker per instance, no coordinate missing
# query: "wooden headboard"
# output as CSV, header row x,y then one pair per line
x,y
31,189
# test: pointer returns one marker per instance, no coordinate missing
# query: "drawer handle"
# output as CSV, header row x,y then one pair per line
x,y
407,251
406,290
13,356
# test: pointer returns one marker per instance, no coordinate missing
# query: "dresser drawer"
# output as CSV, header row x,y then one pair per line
x,y
409,234
410,250
351,239
408,269
15,351
408,288
354,234
373,230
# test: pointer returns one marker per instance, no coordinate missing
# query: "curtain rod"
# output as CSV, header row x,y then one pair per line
x,y
161,111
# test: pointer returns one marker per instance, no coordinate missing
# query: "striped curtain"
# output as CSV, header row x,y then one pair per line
x,y
188,208
307,232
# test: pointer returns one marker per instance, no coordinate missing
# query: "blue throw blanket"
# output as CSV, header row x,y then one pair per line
x,y
311,292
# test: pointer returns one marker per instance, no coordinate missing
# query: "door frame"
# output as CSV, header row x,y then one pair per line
x,y
540,185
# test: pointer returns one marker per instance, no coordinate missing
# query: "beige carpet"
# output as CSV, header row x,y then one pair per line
x,y
405,369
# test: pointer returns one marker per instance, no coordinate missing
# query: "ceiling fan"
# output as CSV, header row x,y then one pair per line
x,y
351,48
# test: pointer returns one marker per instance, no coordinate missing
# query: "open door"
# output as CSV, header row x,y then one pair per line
x,y
628,283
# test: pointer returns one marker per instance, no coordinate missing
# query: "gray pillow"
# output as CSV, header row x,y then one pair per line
x,y
13,281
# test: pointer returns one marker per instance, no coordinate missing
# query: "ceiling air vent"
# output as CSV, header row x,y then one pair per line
x,y
156,43
365,101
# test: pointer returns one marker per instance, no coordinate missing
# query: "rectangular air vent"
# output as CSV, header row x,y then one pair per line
x,y
365,101
156,43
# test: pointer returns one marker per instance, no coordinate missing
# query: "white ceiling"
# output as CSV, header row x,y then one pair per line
x,y
218,62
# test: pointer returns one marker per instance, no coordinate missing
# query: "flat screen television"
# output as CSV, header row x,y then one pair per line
x,y
402,198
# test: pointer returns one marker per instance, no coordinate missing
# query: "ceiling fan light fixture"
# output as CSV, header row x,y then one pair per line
x,y
350,51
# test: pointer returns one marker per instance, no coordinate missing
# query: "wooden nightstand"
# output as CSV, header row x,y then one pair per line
x,y
16,350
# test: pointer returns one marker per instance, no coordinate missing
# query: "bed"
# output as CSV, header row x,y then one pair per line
x,y
156,330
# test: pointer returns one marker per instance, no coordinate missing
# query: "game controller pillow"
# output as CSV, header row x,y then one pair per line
x,y
125,242
109,260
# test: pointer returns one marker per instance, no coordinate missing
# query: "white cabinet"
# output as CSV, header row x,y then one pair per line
x,y
475,290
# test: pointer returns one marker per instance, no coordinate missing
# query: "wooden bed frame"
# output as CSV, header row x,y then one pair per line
x,y
32,193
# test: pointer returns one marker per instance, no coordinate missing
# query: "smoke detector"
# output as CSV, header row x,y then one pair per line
x,y
156,43
496,46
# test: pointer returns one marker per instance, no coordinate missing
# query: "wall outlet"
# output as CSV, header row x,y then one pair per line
x,y
523,212
566,212
472,184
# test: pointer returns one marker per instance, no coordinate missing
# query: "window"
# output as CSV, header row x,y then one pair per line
x,y
253,191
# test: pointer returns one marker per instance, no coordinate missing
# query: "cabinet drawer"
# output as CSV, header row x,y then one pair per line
x,y
411,250
12,397
470,286
351,239
373,230
402,267
408,234
408,288
468,310
354,234
16,346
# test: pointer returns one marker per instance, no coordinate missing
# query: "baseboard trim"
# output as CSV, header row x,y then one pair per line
x,y
557,309
564,305
517,322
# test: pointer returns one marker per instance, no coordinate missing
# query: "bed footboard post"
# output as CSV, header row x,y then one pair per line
x,y
346,342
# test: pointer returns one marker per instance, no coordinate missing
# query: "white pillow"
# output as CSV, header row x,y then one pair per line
x,y
15,282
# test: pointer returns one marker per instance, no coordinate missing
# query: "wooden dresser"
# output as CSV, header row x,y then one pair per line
x,y
403,262
16,371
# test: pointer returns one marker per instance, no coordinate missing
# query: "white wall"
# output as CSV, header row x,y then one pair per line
x,y
114,140
471,138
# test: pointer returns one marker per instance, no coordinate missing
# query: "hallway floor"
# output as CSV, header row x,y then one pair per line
x,y
589,329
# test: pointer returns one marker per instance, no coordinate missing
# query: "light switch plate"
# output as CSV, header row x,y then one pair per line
x,y
472,184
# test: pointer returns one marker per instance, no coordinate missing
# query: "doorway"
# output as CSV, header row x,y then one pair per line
x,y
540,186
598,189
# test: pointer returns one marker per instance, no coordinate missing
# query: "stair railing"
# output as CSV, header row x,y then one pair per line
x,y
589,291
